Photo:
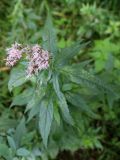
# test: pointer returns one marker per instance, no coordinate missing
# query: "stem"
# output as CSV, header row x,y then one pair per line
x,y
4,69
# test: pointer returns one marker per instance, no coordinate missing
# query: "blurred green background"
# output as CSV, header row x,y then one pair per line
x,y
97,21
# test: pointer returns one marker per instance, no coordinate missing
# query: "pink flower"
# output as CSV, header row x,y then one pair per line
x,y
36,48
13,54
39,60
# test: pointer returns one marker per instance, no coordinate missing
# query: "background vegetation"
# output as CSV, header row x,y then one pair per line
x,y
97,132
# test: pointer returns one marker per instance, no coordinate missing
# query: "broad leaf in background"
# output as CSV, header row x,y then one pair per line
x,y
17,78
49,36
62,101
45,119
6,122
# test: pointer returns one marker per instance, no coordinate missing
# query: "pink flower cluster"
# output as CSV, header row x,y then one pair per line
x,y
14,54
38,59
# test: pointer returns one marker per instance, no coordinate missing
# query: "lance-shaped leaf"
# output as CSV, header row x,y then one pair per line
x,y
49,36
17,78
45,119
81,76
78,101
62,101
20,131
66,54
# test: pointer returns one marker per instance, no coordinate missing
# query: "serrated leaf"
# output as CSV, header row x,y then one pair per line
x,y
77,67
45,119
66,54
78,101
49,36
62,101
17,78
81,76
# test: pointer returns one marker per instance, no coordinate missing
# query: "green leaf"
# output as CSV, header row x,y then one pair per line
x,y
11,142
67,87
34,111
49,36
45,119
20,131
5,152
77,67
110,63
6,123
34,103
66,54
53,149
70,139
81,76
62,101
99,65
23,98
78,101
56,114
23,152
17,78
28,138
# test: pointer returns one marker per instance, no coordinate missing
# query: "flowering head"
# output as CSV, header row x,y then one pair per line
x,y
38,58
13,54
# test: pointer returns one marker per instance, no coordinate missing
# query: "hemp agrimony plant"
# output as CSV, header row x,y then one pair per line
x,y
56,83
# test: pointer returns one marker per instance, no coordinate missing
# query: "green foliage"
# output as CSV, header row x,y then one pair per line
x,y
52,92
45,118
49,36
17,78
105,50
62,101
75,103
